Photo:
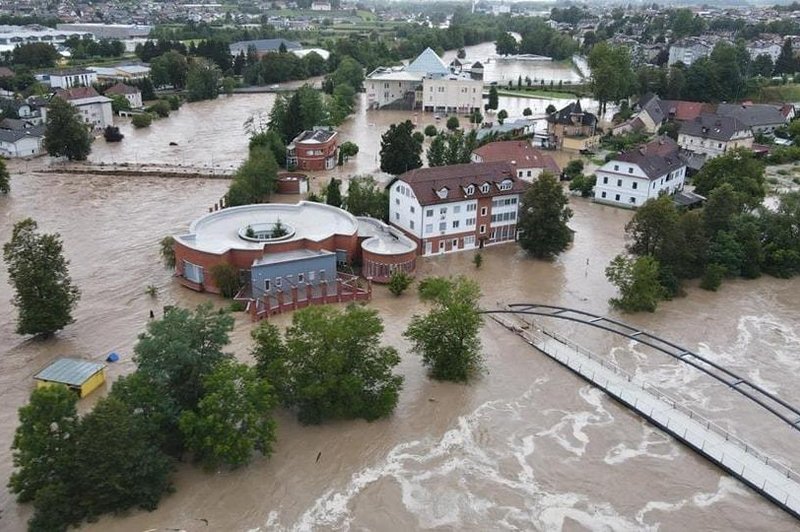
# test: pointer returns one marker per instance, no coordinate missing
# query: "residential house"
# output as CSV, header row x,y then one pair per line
x,y
457,207
427,83
648,119
132,94
689,50
93,108
19,138
760,118
320,5
121,72
635,176
67,78
570,128
712,135
769,48
316,149
33,110
527,161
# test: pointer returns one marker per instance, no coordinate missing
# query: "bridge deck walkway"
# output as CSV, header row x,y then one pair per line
x,y
765,475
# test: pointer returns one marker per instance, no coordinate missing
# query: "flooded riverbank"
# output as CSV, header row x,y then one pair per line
x,y
527,446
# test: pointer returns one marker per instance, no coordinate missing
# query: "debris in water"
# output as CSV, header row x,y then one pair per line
x,y
319,454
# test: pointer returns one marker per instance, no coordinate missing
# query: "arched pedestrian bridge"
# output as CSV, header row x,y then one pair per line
x,y
755,468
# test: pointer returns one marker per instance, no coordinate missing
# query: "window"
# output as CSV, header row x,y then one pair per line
x,y
266,285
311,277
470,222
483,211
529,173
602,194
442,193
397,216
469,240
412,209
429,228
616,167
616,197
635,185
411,224
192,272
429,213
455,224
619,182
456,209
630,170
441,245
278,282
397,201
301,278
485,188
605,180
482,229
455,243
519,174
505,185
442,226
632,200
472,207
470,190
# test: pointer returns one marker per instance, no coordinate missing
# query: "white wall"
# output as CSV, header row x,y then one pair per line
x,y
461,95
24,147
404,209
615,180
383,92
712,147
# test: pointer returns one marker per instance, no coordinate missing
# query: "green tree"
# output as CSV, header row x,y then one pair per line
x,y
44,442
330,365
226,278
653,227
43,291
118,464
179,350
366,198
612,75
543,218
161,108
399,282
35,55
119,103
333,192
142,120
741,170
400,150
494,98
762,65
171,68
273,142
5,178
202,80
65,133
786,62
430,130
452,123
477,260
583,184
167,251
255,179
447,337
781,234
437,151
638,282
233,419
502,115
476,117
348,149
574,168
349,72
228,85
550,109
506,44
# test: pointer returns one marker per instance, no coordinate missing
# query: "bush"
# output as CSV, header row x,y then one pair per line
x,y
161,108
430,131
226,277
174,102
712,277
142,120
399,282
477,260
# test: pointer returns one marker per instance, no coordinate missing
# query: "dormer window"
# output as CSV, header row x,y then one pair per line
x,y
470,190
485,188
505,185
442,192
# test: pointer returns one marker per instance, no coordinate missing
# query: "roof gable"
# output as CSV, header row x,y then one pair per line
x,y
461,181
428,62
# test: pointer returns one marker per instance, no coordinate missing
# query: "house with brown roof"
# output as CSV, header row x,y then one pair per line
x,y
635,176
457,207
572,129
132,94
94,108
527,161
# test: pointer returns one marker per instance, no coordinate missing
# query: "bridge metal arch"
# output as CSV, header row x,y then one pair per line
x,y
788,413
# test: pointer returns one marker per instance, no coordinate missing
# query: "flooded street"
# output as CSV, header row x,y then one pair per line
x,y
527,446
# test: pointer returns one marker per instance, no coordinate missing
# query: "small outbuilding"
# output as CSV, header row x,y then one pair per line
x,y
80,375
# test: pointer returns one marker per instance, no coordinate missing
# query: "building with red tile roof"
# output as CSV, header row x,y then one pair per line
x,y
527,161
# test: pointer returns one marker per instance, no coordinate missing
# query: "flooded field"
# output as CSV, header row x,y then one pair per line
x,y
528,446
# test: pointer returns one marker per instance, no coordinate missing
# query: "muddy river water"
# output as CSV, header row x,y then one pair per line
x,y
527,446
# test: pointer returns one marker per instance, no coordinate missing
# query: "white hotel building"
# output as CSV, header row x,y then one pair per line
x,y
427,84
457,207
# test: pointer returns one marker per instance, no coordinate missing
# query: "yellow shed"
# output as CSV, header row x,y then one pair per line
x,y
80,375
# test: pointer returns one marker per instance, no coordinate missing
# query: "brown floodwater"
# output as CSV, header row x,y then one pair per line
x,y
527,446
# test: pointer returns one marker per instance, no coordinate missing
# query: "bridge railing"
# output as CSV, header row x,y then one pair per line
x,y
535,335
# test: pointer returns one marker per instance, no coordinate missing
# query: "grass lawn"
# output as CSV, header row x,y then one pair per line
x,y
538,94
784,93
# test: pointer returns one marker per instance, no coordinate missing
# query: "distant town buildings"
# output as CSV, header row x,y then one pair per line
x,y
316,149
121,72
108,31
11,36
263,46
427,83
457,207
67,78
689,50
635,176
